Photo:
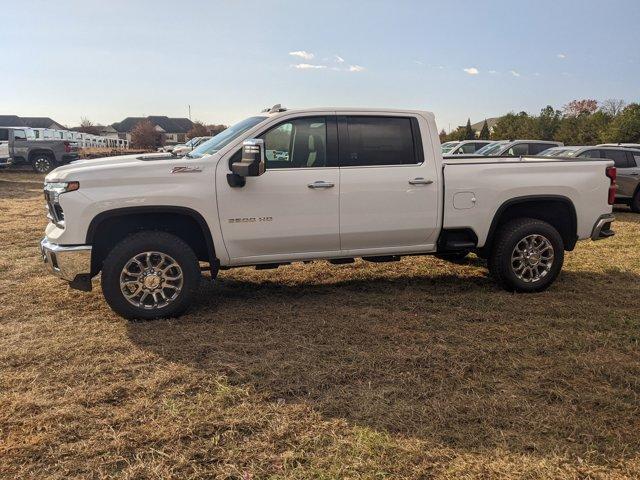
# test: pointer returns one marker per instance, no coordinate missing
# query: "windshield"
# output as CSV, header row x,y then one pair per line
x,y
491,148
225,137
559,152
447,147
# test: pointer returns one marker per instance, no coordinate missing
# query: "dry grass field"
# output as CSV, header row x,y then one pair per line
x,y
415,369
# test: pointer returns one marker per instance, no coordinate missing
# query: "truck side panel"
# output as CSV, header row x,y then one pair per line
x,y
474,192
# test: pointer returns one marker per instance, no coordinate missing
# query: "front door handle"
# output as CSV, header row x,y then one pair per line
x,y
420,181
320,184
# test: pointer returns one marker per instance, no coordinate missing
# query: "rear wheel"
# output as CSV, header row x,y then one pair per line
x,y
635,202
42,163
527,255
150,275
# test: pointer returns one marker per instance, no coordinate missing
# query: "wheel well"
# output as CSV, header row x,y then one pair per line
x,y
109,228
557,211
33,153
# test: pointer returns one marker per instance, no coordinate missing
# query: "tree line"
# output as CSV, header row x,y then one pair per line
x,y
580,122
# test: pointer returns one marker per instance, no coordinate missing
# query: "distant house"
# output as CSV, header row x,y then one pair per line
x,y
42,122
491,123
174,129
11,121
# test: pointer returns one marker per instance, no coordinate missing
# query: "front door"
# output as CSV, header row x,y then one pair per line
x,y
290,211
388,186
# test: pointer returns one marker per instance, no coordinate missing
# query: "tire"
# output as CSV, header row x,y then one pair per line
x,y
42,163
168,293
635,202
457,257
521,259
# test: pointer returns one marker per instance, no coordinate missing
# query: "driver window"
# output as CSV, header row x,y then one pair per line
x,y
299,143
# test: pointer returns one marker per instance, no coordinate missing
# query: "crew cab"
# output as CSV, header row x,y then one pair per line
x,y
18,145
317,184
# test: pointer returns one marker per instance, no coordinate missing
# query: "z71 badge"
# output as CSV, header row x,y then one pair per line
x,y
186,170
250,219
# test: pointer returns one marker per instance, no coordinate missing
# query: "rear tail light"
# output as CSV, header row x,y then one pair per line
x,y
612,174
67,147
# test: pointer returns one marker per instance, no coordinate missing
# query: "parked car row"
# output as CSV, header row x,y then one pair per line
x,y
84,140
184,148
626,157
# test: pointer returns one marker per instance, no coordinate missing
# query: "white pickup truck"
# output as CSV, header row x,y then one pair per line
x,y
300,185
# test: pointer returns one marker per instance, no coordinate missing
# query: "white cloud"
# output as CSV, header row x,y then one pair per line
x,y
356,68
472,71
418,62
561,56
338,58
302,54
514,73
308,66
493,72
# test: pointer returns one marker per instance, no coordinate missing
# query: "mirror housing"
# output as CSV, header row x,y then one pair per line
x,y
252,163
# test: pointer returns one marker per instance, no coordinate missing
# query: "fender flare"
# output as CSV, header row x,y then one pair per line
x,y
526,199
126,211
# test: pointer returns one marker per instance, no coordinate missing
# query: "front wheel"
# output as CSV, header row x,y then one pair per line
x,y
150,275
42,163
527,255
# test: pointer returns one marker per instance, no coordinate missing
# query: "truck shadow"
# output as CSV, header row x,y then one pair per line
x,y
449,359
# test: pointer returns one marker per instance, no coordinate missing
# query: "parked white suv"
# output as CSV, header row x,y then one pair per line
x,y
301,185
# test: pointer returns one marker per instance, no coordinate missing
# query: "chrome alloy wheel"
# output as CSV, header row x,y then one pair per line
x,y
42,164
532,258
151,280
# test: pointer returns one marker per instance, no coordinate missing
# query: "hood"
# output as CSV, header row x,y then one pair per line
x,y
113,166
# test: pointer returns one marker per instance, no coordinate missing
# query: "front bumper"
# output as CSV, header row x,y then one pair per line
x,y
602,228
72,264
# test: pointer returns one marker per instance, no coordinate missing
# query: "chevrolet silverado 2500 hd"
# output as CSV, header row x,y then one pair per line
x,y
301,185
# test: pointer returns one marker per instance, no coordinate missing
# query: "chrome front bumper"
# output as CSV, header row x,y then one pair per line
x,y
68,263
602,228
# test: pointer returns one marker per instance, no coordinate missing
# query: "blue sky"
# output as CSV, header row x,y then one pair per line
x,y
106,60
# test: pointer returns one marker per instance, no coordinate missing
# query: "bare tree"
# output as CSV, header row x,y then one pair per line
x,y
198,130
613,106
87,126
145,135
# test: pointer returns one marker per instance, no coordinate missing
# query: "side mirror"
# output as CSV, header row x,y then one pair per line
x,y
252,163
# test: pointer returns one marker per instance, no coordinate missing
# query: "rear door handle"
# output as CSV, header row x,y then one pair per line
x,y
320,184
420,181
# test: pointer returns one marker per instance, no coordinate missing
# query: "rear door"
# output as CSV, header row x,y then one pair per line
x,y
388,185
627,177
20,146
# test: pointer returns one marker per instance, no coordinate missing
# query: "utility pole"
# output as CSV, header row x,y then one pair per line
x,y
189,112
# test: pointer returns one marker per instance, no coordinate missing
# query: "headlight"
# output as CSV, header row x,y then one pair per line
x,y
52,192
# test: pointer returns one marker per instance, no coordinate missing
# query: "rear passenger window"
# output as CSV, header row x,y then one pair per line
x,y
536,148
4,135
590,154
468,148
379,141
619,157
518,150
19,135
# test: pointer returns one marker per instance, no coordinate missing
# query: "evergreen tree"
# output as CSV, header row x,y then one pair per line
x,y
484,133
469,134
